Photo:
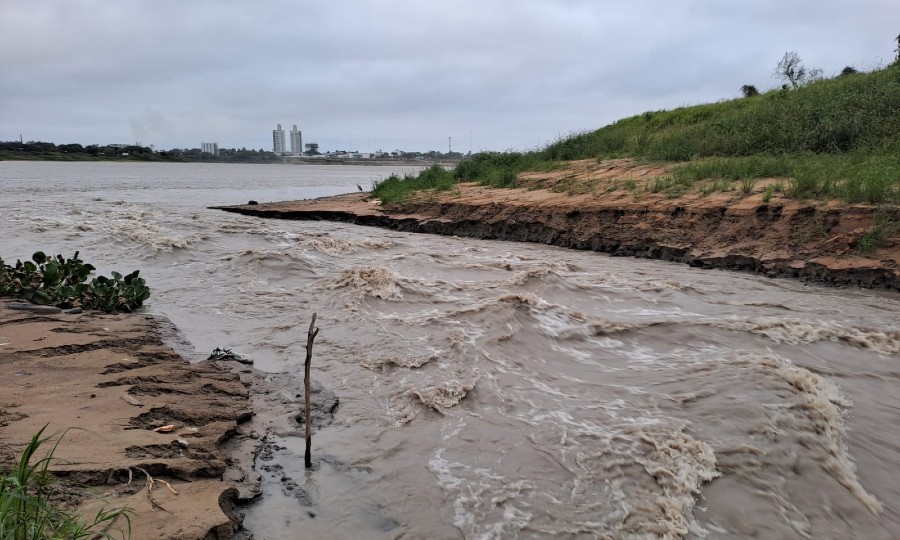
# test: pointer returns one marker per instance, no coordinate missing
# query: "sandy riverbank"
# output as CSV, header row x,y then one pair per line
x,y
110,380
765,233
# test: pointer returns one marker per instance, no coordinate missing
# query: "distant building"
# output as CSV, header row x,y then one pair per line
x,y
210,148
278,141
296,141
312,149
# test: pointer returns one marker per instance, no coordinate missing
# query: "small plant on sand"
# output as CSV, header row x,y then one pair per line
x,y
660,183
747,185
767,194
26,509
63,283
885,225
869,241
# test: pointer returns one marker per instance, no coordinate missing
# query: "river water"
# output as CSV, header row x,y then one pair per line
x,y
502,390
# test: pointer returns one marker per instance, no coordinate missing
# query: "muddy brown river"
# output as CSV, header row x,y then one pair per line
x,y
501,390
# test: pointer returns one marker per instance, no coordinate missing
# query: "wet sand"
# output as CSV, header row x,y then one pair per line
x,y
107,382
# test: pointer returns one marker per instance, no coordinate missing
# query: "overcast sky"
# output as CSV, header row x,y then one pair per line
x,y
408,74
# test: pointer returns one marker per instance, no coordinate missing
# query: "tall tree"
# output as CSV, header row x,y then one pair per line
x,y
791,70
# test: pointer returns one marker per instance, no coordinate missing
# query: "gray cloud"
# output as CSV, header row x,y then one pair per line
x,y
403,74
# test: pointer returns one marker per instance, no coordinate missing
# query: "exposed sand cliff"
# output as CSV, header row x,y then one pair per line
x,y
612,207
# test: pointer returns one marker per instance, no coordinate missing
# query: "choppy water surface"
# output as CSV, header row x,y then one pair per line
x,y
502,390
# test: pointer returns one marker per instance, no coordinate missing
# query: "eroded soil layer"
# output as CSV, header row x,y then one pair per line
x,y
815,241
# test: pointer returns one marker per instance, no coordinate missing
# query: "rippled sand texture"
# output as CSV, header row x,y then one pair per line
x,y
500,390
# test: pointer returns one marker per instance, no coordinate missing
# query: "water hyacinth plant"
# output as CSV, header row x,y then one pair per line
x,y
62,282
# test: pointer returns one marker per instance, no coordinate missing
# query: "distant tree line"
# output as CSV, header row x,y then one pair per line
x,y
76,152
48,150
238,155
431,155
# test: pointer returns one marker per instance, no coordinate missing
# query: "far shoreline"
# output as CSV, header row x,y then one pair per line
x,y
774,236
353,162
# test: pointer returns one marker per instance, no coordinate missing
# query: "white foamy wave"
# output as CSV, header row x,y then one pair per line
x,y
796,331
155,237
124,221
775,328
527,300
479,495
271,262
339,246
539,273
822,404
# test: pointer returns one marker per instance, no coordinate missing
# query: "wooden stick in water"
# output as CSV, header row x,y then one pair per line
x,y
310,337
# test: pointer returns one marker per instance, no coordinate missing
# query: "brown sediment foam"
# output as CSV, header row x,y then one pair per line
x,y
409,362
444,395
369,281
657,470
681,465
329,245
337,246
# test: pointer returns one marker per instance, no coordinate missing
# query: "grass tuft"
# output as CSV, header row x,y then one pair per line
x,y
26,511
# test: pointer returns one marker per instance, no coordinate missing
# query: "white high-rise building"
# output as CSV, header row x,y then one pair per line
x,y
296,141
278,141
210,148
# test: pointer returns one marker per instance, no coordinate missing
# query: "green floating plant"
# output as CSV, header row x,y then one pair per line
x,y
62,282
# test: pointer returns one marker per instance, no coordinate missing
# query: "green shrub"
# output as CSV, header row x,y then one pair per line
x,y
748,90
396,189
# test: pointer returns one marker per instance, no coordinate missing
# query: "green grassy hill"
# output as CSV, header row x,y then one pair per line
x,y
835,138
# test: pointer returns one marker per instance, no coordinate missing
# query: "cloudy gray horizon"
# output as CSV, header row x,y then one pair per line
x,y
491,74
